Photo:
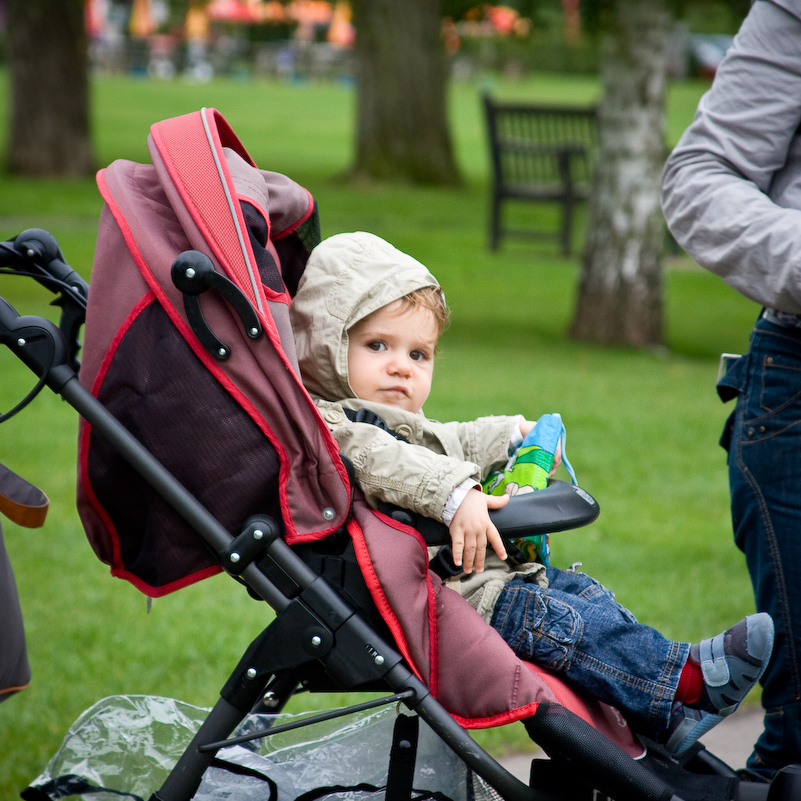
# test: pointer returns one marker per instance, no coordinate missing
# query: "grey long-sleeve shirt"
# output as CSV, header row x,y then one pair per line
x,y
731,189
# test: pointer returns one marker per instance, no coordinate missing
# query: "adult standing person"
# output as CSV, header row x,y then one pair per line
x,y
731,193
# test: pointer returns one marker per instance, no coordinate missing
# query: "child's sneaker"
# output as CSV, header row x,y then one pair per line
x,y
731,664
687,725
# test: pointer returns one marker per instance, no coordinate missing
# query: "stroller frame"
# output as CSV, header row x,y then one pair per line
x,y
317,609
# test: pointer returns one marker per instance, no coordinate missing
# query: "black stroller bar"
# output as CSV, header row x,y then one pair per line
x,y
308,721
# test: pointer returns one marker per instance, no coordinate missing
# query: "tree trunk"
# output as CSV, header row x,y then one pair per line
x,y
48,58
402,73
620,291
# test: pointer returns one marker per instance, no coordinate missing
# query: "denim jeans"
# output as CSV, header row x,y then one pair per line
x,y
578,629
763,437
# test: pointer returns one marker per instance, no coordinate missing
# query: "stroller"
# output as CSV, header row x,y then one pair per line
x,y
189,396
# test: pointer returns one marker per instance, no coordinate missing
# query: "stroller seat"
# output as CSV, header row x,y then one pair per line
x,y
253,431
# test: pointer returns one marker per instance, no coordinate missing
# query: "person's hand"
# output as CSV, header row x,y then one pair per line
x,y
471,529
557,458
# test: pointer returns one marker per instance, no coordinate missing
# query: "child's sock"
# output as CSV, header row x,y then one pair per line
x,y
691,683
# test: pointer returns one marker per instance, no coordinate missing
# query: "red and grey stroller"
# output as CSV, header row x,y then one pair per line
x,y
200,451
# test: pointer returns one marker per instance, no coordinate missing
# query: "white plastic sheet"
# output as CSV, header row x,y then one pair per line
x,y
128,744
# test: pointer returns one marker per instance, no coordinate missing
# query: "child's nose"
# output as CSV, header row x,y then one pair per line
x,y
401,364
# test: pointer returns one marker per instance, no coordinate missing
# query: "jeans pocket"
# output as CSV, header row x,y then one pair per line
x,y
779,387
772,403
538,628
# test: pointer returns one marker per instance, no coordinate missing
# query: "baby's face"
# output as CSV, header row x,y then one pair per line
x,y
391,356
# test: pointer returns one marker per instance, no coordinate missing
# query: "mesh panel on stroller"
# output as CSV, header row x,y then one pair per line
x,y
189,353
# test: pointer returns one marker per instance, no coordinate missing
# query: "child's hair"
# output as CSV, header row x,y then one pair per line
x,y
433,299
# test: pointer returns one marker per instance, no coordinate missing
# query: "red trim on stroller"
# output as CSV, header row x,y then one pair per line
x,y
201,353
190,147
383,605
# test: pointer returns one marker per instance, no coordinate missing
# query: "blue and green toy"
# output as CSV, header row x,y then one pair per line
x,y
528,470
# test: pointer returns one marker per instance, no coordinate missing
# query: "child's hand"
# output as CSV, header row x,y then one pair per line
x,y
526,426
557,458
471,529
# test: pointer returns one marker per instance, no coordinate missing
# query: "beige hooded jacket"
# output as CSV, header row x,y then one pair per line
x,y
347,277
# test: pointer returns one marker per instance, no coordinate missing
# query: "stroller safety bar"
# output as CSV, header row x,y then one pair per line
x,y
558,507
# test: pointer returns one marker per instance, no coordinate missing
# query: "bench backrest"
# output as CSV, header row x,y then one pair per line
x,y
531,144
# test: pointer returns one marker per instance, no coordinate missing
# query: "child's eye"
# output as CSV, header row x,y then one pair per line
x,y
377,346
418,355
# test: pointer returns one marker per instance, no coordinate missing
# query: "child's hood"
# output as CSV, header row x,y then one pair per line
x,y
347,277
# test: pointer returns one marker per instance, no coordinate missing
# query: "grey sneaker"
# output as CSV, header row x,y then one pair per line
x,y
686,727
731,664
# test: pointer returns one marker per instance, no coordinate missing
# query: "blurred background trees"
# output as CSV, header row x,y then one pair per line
x,y
402,55
620,297
402,72
49,74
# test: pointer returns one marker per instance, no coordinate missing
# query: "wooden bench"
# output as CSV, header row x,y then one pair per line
x,y
539,154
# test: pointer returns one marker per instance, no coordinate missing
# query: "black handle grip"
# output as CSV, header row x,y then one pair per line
x,y
41,248
558,507
193,274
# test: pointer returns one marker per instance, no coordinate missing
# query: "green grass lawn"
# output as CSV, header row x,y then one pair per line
x,y
643,426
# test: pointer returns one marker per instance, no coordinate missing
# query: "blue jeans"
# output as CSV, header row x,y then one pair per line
x,y
763,437
578,629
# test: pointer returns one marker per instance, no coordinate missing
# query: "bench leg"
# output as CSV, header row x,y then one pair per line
x,y
566,233
568,200
495,222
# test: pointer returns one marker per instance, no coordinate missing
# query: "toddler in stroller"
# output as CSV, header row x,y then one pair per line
x,y
366,319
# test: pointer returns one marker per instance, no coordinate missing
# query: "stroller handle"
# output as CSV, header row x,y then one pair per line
x,y
35,253
38,343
